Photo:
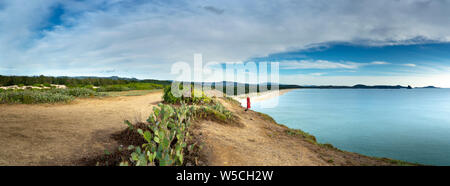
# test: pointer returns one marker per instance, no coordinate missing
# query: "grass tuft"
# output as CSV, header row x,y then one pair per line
x,y
297,132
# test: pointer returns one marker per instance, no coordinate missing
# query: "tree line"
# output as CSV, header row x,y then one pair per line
x,y
68,81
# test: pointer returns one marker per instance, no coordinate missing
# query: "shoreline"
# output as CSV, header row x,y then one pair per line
x,y
328,151
261,96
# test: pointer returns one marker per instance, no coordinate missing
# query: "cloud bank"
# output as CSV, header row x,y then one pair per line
x,y
143,38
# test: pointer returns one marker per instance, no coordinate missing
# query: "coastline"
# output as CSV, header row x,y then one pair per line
x,y
261,96
323,154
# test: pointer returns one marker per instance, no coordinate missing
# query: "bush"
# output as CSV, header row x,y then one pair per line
x,y
166,134
44,96
166,139
113,88
76,92
33,97
297,132
129,86
168,97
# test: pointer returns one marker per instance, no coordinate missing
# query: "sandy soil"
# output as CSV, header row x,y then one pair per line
x,y
63,133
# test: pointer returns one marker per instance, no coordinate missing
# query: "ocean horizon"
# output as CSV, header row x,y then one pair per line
x,y
410,125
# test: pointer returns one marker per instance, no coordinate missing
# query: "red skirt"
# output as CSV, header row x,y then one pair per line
x,y
248,103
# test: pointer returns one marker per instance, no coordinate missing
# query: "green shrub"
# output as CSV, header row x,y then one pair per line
x,y
309,138
232,101
33,97
113,88
168,97
76,92
297,132
166,139
36,96
215,112
129,86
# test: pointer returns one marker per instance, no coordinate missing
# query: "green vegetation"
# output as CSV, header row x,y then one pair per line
x,y
33,97
129,93
296,132
81,82
130,86
77,87
208,108
267,117
70,82
233,101
196,97
400,162
75,92
167,134
44,96
166,138
216,112
309,138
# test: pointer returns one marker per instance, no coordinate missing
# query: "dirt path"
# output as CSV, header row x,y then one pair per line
x,y
60,134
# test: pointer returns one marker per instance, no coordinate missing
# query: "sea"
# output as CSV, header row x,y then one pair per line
x,y
405,124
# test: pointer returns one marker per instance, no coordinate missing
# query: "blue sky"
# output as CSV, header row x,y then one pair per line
x,y
316,42
349,59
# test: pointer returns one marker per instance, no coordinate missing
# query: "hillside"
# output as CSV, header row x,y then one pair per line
x,y
80,132
258,140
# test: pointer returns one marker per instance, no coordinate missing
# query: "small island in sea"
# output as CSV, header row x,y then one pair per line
x,y
358,86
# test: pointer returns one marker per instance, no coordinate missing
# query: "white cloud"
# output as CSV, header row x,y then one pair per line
x,y
379,63
142,40
409,65
324,64
318,64
318,74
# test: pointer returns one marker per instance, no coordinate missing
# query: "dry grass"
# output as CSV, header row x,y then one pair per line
x,y
60,134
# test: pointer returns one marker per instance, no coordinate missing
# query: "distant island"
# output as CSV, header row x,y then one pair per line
x,y
428,87
358,86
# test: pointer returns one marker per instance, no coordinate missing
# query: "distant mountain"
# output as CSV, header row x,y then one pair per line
x,y
93,77
428,87
11,80
359,86
165,82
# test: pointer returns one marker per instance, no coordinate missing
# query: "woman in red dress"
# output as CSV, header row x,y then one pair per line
x,y
248,103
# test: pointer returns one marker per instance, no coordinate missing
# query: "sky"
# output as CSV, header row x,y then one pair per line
x,y
316,42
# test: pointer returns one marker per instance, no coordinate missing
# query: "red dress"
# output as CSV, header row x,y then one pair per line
x,y
248,102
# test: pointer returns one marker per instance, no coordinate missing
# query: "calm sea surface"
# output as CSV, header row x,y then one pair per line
x,y
411,125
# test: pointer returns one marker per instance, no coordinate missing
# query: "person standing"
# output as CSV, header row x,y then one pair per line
x,y
248,103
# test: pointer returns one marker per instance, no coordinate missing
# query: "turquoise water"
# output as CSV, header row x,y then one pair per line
x,y
411,125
